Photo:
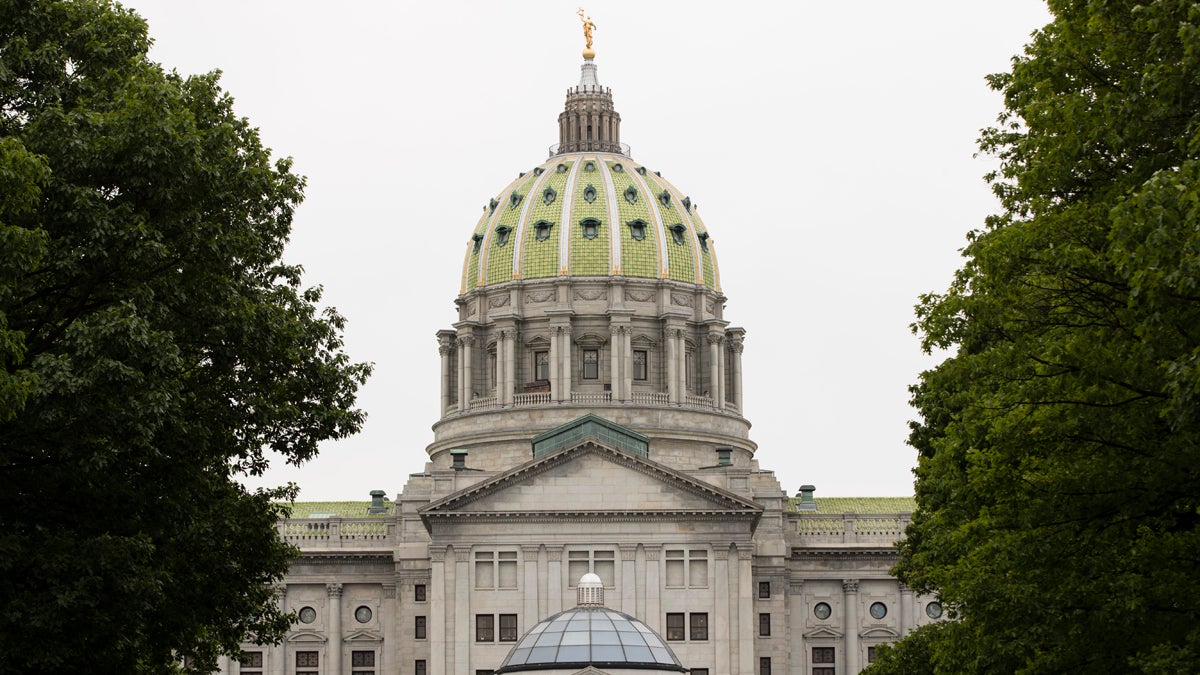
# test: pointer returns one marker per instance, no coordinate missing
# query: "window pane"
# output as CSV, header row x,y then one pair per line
x,y
822,655
508,627
699,625
483,575
698,571
419,593
306,659
606,571
419,628
764,589
362,658
483,628
764,666
419,667
674,573
764,624
675,626
541,365
591,364
639,364
508,574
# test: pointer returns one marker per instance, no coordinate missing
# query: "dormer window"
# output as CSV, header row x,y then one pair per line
x,y
687,204
677,233
502,233
493,204
515,199
617,168
561,168
637,229
590,227
542,229
703,236
665,198
631,194
589,194
590,166
478,240
538,171
549,195
641,170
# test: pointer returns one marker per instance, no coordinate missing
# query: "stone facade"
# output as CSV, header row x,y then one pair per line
x,y
592,423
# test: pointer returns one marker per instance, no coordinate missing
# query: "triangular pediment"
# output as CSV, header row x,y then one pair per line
x,y
823,632
363,636
591,480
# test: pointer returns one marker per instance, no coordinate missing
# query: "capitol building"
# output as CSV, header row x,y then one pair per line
x,y
591,502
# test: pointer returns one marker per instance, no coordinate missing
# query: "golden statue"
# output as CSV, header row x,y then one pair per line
x,y
588,27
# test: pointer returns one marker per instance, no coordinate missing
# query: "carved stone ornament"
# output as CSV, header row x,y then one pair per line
x,y
735,345
537,297
639,295
333,590
710,306
681,299
591,294
498,301
850,585
471,309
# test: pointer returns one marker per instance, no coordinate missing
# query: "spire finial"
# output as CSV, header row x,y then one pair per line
x,y
588,27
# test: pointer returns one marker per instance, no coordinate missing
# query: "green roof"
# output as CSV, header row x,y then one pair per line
x,y
859,505
333,509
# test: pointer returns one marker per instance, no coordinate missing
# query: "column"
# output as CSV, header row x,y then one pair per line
x,y
907,622
510,365
462,611
466,382
387,623
672,368
850,598
333,653
654,617
555,354
554,577
615,362
565,373
435,622
736,344
446,351
627,370
500,368
714,368
529,558
628,579
681,374
640,572
721,374
720,624
277,654
746,620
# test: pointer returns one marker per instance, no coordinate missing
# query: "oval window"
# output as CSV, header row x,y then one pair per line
x,y
822,611
878,610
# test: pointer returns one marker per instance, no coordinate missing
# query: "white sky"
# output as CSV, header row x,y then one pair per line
x,y
828,145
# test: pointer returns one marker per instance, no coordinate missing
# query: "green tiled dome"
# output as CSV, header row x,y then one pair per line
x,y
590,214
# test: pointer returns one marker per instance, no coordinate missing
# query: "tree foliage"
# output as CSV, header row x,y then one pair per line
x,y
153,346
1058,483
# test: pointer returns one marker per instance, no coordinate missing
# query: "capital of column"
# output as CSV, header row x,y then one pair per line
x,y
333,590
466,340
736,344
554,552
652,551
721,553
462,554
628,551
850,585
745,551
905,588
444,349
715,338
529,551
437,553
389,591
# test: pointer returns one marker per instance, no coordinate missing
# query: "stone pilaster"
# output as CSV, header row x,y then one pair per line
x,y
462,610
654,617
554,579
436,620
628,579
333,656
745,600
721,599
736,339
850,598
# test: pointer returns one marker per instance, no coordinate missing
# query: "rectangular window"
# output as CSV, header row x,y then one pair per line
x,y
419,593
508,627
591,364
601,563
306,660
484,628
699,625
484,672
689,572
541,366
764,624
824,670
870,655
764,665
419,628
699,671
419,667
362,662
764,590
251,663
675,629
641,360
495,569
822,654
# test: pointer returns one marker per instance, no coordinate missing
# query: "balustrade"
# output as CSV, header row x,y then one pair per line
x,y
307,533
849,528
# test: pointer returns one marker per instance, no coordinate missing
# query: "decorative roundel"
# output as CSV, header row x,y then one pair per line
x,y
308,615
933,610
822,610
362,614
878,610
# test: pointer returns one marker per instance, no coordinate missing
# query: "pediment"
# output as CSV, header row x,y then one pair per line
x,y
880,633
823,633
307,636
364,636
591,480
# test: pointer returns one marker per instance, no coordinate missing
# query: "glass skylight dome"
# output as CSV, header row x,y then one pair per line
x,y
591,635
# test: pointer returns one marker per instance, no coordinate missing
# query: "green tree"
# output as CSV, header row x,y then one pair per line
x,y
1058,482
153,346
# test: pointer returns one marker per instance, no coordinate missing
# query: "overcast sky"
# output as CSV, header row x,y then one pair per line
x,y
829,146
